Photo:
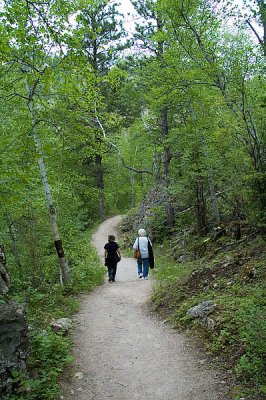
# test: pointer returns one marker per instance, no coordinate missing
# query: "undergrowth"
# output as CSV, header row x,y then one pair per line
x,y
51,351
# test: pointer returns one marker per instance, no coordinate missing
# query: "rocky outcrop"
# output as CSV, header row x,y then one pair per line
x,y
4,277
156,197
14,345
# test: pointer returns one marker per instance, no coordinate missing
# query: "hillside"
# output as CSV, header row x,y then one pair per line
x,y
229,274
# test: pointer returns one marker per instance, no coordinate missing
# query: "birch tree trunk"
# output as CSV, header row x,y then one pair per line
x,y
63,264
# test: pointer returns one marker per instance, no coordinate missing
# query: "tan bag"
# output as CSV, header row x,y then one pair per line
x,y
137,254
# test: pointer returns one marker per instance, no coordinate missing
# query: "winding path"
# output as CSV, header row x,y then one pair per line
x,y
123,353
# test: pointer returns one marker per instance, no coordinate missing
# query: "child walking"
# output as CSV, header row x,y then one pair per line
x,y
112,256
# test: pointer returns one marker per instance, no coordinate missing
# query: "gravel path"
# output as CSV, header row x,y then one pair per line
x,y
121,352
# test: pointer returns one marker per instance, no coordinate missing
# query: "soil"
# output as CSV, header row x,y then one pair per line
x,y
123,352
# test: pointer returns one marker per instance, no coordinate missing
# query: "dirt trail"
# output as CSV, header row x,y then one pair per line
x,y
123,353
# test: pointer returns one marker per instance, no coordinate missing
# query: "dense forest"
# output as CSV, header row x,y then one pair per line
x,y
164,122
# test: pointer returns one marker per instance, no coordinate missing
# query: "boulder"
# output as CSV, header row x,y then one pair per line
x,y
202,309
14,344
183,258
4,279
61,325
210,324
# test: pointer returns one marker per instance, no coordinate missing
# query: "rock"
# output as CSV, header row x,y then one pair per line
x,y
61,325
156,198
248,271
4,277
182,258
217,233
202,309
14,345
234,230
226,264
79,375
211,323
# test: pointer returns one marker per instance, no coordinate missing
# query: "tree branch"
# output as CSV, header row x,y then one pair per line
x,y
255,32
139,171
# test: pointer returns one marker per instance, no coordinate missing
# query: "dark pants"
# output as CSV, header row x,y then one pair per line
x,y
112,267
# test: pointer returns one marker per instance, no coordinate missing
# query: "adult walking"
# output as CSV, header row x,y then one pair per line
x,y
143,249
112,256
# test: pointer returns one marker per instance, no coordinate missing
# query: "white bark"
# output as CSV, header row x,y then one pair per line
x,y
64,268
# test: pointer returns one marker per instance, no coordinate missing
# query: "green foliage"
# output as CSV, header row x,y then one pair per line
x,y
49,355
251,365
86,273
50,352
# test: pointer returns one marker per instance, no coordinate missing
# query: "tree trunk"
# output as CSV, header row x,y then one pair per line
x,y
201,208
64,268
211,185
99,174
262,10
166,158
209,169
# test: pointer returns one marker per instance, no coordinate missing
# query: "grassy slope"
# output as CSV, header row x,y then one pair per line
x,y
231,273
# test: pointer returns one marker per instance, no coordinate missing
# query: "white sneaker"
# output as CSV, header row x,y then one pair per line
x,y
140,276
146,278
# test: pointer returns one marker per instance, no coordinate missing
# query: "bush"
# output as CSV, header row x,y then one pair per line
x,y
251,365
49,355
